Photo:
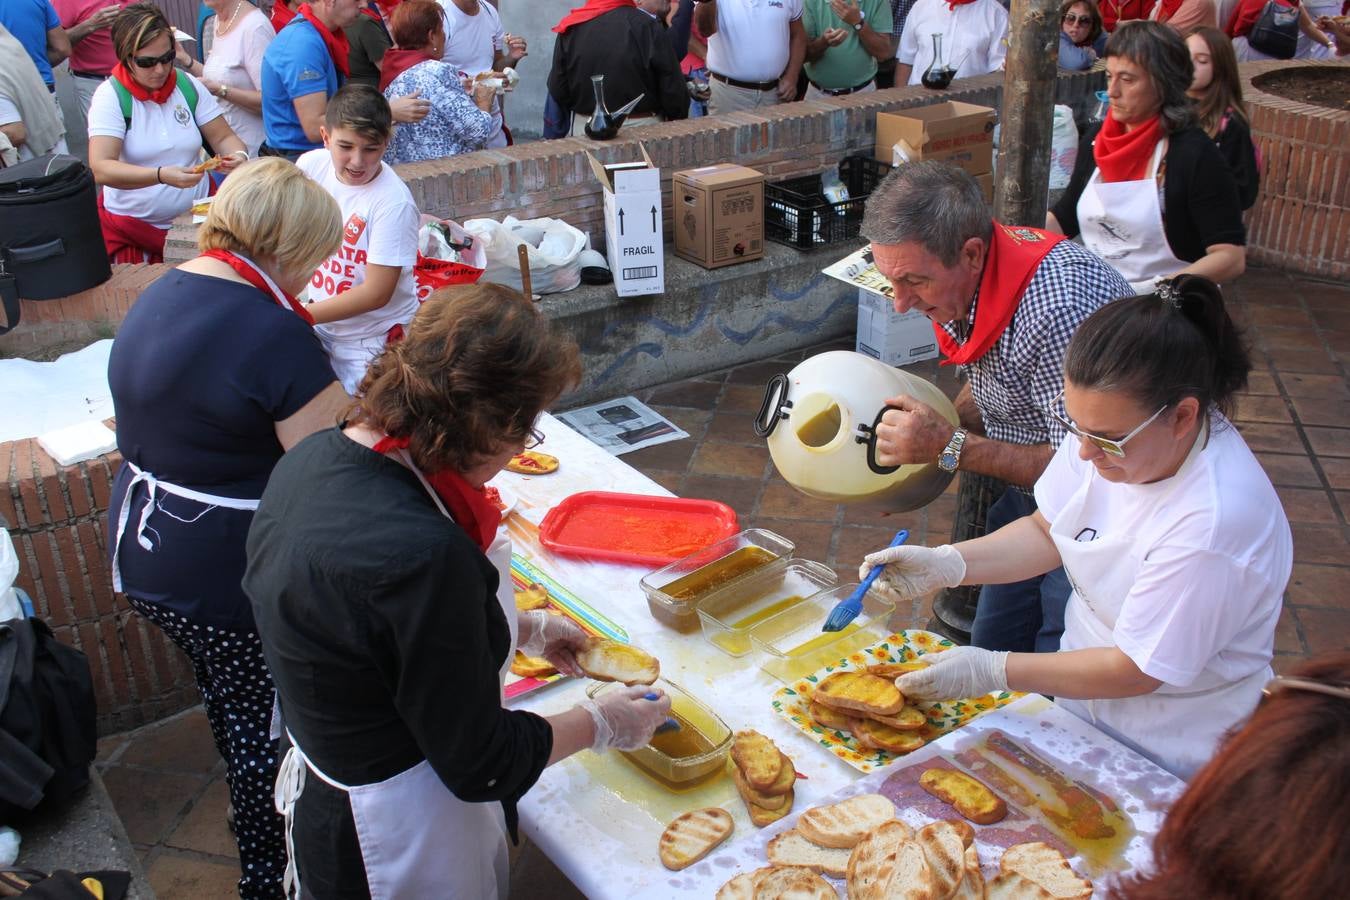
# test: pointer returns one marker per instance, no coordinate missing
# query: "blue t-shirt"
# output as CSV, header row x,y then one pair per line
x,y
295,64
29,21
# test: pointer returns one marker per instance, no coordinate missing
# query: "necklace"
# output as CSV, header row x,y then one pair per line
x,y
230,21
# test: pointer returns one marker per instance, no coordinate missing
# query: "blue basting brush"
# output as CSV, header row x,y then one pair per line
x,y
668,724
847,609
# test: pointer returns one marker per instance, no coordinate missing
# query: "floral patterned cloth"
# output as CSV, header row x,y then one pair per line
x,y
454,125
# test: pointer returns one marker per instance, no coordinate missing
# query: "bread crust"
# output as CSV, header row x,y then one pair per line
x,y
792,848
971,797
879,736
867,877
828,717
693,835
945,853
794,883
606,660
1046,867
752,797
757,757
741,886
847,822
859,692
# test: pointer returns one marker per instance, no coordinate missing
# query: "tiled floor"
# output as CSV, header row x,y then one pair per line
x,y
167,781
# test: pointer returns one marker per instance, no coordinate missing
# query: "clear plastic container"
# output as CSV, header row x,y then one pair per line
x,y
794,645
673,593
678,760
729,614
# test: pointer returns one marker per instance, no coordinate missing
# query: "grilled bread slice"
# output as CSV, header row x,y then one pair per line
x,y
757,757
871,733
791,848
606,660
911,877
871,860
787,777
828,716
693,835
794,883
859,692
753,797
972,798
1011,886
972,885
759,817
946,856
742,886
907,719
1045,866
964,830
847,822
896,669
532,462
531,666
535,596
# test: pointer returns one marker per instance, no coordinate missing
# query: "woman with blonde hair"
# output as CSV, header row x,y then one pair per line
x,y
215,373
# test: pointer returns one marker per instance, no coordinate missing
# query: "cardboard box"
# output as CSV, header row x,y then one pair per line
x,y
897,339
634,232
718,214
986,183
954,132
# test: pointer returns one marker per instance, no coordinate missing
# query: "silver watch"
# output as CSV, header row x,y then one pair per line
x,y
949,460
862,20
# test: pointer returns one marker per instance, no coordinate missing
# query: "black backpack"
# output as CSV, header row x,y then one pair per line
x,y
47,718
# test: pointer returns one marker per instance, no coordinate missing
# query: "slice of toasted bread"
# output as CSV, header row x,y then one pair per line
x,y
911,877
871,733
870,861
757,757
531,666
742,886
847,822
907,719
971,797
757,798
693,835
794,883
1045,866
791,848
896,669
535,596
759,816
828,716
606,660
946,856
972,885
787,777
964,830
532,462
859,692
1011,886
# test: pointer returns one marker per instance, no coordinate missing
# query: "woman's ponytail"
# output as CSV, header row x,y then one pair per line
x,y
1201,302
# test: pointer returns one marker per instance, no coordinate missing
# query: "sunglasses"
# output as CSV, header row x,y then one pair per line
x,y
1071,19
1290,682
1112,446
149,62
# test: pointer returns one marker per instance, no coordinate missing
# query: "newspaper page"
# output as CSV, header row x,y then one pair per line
x,y
621,426
859,270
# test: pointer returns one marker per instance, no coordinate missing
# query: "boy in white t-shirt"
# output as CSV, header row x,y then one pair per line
x,y
368,283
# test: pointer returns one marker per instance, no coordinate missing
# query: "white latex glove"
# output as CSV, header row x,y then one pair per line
x,y
555,638
956,674
624,719
913,571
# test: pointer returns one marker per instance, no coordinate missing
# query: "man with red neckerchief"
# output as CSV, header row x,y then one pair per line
x,y
1004,302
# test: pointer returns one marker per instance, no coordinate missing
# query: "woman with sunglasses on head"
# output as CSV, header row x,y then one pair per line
x,y
147,125
1174,540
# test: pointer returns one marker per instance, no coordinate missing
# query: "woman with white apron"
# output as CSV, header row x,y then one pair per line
x,y
1171,534
200,425
381,585
1150,193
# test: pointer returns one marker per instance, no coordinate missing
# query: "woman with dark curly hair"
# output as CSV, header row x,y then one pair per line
x,y
380,586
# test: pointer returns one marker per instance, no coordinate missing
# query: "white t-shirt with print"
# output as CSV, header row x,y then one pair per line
x,y
1214,555
752,42
471,46
974,37
161,134
379,225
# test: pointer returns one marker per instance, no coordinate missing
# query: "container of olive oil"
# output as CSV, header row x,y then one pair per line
x,y
794,646
682,758
673,593
729,614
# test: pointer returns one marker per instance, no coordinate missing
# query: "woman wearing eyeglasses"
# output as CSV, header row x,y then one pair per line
x,y
147,123
1174,540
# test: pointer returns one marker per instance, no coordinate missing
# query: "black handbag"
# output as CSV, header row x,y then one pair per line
x,y
1276,30
51,243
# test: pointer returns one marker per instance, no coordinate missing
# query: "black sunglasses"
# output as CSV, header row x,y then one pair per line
x,y
149,62
1071,19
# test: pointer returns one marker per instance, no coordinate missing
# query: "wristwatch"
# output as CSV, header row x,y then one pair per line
x,y
862,20
224,91
950,457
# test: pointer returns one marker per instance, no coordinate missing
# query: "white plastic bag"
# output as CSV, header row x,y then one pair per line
x,y
554,264
9,571
1063,148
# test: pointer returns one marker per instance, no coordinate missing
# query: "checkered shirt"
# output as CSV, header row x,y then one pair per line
x,y
1015,380
899,12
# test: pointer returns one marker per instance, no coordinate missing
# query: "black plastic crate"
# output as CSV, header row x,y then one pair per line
x,y
797,214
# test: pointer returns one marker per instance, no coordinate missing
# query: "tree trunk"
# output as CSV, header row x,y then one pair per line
x,y
1023,183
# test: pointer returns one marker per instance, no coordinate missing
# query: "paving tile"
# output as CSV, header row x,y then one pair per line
x,y
689,393
1289,470
1284,664
1300,359
1312,585
1321,295
879,517
1326,630
722,458
1262,383
736,427
1261,437
204,828
1336,470
741,398
1287,638
1307,505
852,543
182,875
182,744
1335,319
782,500
812,538
1329,441
1277,316
668,479
148,802
758,374
672,455
1323,410
738,493
1320,544
1256,408
109,747
1303,384
692,421
1304,338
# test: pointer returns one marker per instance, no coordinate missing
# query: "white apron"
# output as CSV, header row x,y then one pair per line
x,y
417,839
1122,223
1177,728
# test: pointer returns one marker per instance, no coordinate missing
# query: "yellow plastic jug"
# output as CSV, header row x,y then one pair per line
x,y
819,421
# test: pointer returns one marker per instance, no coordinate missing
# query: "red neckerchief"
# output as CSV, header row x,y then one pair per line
x,y
396,62
281,14
593,9
138,91
1167,9
1013,257
468,505
953,4
337,45
387,7
1125,155
250,273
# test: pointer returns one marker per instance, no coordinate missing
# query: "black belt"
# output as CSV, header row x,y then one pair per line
x,y
748,85
841,91
98,75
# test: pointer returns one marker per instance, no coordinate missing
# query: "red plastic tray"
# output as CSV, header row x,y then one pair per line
x,y
634,528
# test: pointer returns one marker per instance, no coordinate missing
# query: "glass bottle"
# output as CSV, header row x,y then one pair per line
x,y
601,125
937,75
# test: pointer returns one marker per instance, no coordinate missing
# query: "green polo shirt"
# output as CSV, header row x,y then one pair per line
x,y
849,64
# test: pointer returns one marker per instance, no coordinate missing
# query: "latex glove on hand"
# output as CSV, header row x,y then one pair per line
x,y
624,718
956,674
555,638
913,571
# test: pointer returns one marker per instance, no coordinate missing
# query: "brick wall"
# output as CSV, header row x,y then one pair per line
x,y
1300,221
